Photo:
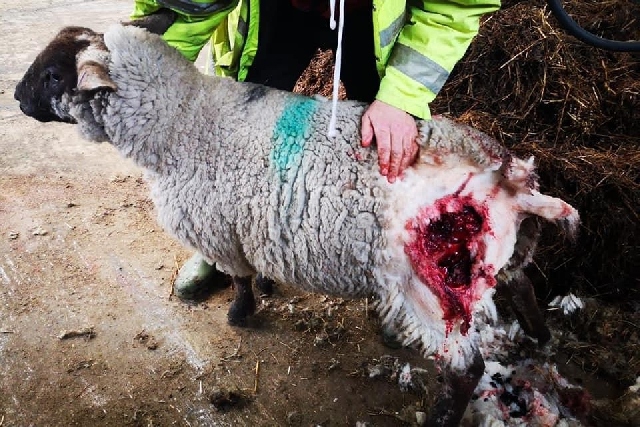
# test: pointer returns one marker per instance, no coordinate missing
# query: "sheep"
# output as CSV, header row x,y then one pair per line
x,y
247,176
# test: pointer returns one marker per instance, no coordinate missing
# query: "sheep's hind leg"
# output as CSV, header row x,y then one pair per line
x,y
244,303
516,286
458,390
264,285
521,296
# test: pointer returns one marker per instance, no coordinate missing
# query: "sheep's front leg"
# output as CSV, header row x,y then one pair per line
x,y
458,387
244,303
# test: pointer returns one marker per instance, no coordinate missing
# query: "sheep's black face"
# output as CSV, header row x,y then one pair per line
x,y
45,90
41,93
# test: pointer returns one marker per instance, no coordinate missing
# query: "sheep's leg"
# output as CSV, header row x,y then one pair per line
x,y
244,303
458,389
516,286
521,296
264,285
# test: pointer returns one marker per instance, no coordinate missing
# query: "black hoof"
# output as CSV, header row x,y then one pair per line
x,y
240,310
237,320
243,304
264,285
390,338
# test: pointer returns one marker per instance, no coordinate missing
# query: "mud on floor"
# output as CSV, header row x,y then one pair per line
x,y
90,336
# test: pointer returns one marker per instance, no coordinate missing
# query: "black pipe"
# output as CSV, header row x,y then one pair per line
x,y
573,28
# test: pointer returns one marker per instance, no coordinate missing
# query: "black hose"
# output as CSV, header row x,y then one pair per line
x,y
585,36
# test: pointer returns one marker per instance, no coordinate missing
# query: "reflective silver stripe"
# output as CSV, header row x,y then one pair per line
x,y
418,67
389,34
193,8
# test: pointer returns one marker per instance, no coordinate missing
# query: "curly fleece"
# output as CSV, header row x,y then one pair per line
x,y
246,175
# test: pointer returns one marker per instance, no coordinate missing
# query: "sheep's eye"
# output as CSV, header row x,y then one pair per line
x,y
51,78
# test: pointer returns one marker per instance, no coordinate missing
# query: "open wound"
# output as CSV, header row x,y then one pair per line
x,y
447,253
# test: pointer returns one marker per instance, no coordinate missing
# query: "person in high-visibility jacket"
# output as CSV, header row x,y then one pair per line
x,y
397,54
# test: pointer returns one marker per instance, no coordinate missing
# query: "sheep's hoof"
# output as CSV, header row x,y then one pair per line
x,y
238,313
264,285
244,304
390,338
237,320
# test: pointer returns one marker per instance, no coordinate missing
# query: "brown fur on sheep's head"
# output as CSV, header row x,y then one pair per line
x,y
75,60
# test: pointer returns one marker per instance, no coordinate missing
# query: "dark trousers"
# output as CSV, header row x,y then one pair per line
x,y
289,38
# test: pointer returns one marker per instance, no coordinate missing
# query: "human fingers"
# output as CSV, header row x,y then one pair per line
x,y
410,154
396,157
366,130
383,141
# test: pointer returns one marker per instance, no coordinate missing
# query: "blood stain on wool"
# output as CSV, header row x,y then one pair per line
x,y
447,253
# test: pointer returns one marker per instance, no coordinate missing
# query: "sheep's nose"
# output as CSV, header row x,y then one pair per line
x,y
15,94
27,109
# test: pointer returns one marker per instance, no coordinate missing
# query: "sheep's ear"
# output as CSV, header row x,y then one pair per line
x,y
91,62
94,76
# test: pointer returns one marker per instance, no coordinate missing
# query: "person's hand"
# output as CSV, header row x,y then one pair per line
x,y
395,132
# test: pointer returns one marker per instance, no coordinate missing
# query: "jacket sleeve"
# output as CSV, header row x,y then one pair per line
x,y
435,37
190,32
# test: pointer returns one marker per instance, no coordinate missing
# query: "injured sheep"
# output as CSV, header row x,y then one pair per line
x,y
246,176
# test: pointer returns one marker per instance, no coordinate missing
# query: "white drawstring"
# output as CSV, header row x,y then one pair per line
x,y
332,18
338,64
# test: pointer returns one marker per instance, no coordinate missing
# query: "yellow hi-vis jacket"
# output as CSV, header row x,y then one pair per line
x,y
417,43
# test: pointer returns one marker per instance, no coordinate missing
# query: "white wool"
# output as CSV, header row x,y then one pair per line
x,y
568,304
514,330
338,65
409,302
537,387
330,223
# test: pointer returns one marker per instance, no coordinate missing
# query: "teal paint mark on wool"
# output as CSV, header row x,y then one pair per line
x,y
291,132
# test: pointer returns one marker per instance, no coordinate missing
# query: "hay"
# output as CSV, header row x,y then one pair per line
x,y
317,79
602,338
577,110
